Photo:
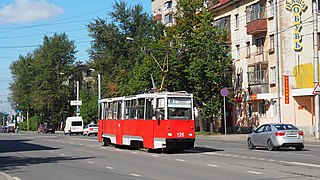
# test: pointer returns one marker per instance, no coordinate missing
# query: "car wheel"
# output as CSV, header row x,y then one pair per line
x,y
250,144
298,148
270,145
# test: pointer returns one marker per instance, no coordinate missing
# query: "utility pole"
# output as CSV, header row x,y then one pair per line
x,y
316,66
276,44
78,107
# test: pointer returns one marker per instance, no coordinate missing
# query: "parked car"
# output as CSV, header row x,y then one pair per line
x,y
3,128
48,128
90,129
40,127
274,136
10,129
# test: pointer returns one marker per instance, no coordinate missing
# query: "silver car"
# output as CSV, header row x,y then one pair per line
x,y
274,136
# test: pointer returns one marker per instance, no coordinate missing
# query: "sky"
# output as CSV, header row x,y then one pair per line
x,y
24,23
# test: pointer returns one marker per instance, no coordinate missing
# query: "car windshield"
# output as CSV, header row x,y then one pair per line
x,y
76,123
94,125
285,127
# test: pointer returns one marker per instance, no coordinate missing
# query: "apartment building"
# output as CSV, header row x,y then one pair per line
x,y
252,28
163,10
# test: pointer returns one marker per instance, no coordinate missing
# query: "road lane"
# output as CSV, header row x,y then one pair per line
x,y
77,157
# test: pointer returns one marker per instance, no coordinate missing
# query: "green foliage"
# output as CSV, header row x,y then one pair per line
x,y
117,49
33,124
89,107
38,81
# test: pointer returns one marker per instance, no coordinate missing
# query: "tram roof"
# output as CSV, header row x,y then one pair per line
x,y
149,95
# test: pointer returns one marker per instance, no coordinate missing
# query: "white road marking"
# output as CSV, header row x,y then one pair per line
x,y
90,162
71,143
181,160
252,158
282,161
103,147
80,144
61,154
262,159
304,164
109,167
212,165
309,155
90,145
244,157
136,175
16,178
235,156
134,152
51,151
254,172
210,153
227,155
155,155
271,160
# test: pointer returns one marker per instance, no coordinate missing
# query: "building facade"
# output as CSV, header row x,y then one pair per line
x,y
261,95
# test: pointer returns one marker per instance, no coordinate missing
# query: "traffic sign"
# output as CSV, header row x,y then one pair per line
x,y
224,92
316,89
75,103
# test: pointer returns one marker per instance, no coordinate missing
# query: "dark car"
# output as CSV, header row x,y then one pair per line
x,y
49,128
40,128
4,129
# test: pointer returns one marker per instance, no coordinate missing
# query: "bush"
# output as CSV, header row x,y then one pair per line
x,y
33,124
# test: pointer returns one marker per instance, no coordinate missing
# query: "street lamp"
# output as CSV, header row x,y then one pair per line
x,y
99,83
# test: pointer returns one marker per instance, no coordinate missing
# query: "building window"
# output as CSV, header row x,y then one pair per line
x,y
168,18
262,109
254,12
248,49
237,21
271,8
271,43
239,110
237,54
259,45
168,5
272,75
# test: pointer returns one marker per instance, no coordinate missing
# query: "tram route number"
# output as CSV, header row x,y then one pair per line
x,y
180,134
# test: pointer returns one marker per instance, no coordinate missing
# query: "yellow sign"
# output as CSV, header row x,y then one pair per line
x,y
296,7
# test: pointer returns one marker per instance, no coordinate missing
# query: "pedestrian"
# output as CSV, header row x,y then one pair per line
x,y
17,130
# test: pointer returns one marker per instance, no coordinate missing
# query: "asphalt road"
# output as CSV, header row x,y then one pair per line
x,y
32,156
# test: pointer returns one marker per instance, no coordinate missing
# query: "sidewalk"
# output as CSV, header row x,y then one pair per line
x,y
307,138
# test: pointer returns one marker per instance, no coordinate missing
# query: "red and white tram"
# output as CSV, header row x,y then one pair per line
x,y
159,120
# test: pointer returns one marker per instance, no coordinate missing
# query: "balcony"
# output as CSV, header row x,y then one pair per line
x,y
157,17
256,20
258,58
258,74
257,26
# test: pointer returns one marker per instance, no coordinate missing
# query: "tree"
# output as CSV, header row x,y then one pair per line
x,y
116,49
38,83
89,107
205,52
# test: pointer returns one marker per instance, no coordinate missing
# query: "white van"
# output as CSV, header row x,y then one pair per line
x,y
74,125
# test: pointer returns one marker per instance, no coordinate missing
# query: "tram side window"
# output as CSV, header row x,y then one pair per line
x,y
133,109
115,110
127,109
160,109
109,110
119,110
149,103
140,108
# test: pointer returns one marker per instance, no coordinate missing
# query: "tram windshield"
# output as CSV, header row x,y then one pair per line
x,y
179,108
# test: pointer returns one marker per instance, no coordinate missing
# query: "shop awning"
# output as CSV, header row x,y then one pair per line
x,y
302,92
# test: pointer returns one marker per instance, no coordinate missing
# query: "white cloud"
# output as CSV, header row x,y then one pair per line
x,y
28,11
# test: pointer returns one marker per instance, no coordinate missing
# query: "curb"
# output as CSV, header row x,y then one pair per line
x,y
4,176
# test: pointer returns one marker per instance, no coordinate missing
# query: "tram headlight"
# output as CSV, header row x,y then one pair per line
x,y
169,134
190,134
